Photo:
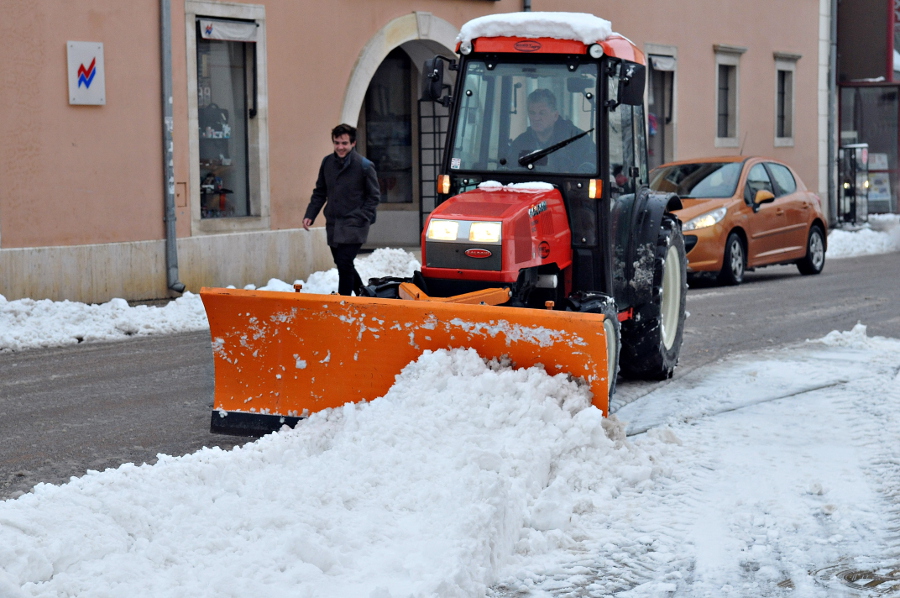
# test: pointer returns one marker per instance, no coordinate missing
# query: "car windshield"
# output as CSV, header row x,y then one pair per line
x,y
512,110
700,180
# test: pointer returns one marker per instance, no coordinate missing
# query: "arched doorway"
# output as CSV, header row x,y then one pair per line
x,y
396,131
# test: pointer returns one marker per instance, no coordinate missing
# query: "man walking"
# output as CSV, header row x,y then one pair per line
x,y
348,188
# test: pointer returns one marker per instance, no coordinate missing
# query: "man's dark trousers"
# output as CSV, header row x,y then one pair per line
x,y
348,277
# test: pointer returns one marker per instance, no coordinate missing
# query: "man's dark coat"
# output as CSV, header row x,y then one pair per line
x,y
350,194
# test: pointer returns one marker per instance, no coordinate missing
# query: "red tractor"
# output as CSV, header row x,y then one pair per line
x,y
546,244
543,186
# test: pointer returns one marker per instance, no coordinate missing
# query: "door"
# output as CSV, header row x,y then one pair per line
x,y
767,226
797,208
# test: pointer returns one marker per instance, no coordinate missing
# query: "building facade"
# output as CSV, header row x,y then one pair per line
x,y
165,145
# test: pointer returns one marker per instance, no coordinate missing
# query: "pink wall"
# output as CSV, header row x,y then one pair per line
x,y
79,174
93,174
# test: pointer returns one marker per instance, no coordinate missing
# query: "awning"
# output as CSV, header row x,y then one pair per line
x,y
662,63
233,31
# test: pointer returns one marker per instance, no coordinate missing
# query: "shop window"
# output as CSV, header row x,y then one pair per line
x,y
727,63
388,129
785,67
226,97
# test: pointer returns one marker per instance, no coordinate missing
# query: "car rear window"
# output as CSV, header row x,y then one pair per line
x,y
784,180
697,180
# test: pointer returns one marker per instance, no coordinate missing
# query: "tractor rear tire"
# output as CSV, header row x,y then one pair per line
x,y
602,304
651,342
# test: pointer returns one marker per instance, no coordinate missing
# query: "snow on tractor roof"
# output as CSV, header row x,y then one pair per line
x,y
578,26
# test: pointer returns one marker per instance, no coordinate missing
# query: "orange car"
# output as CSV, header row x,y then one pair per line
x,y
741,213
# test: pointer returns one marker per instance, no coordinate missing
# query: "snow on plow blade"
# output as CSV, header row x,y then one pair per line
x,y
280,356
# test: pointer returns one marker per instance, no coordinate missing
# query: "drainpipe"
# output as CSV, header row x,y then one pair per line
x,y
832,116
526,5
165,29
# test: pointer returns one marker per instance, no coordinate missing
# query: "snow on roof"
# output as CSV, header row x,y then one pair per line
x,y
578,26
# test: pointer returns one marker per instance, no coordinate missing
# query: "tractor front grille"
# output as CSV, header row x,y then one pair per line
x,y
453,255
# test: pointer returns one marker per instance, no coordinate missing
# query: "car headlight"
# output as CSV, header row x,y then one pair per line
x,y
442,230
705,220
485,232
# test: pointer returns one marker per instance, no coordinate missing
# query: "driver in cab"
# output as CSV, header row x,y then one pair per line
x,y
546,129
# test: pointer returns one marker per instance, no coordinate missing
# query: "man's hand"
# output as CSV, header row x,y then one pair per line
x,y
307,223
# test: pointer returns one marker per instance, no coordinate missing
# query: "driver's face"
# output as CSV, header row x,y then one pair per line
x,y
542,118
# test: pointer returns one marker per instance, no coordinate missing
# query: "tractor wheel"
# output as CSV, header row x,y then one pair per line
x,y
814,260
651,342
602,304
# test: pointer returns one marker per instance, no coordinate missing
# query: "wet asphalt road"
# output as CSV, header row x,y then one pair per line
x,y
94,406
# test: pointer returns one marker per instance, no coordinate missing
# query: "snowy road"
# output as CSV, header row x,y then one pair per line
x,y
781,472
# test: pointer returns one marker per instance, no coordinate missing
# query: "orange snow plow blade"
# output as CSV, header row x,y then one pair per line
x,y
280,356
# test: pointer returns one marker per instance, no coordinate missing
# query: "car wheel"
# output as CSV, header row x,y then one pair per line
x,y
814,260
735,263
651,342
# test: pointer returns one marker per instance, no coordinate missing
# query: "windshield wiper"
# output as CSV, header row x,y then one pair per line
x,y
536,155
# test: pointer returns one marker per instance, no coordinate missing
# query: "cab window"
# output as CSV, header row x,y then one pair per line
x,y
510,110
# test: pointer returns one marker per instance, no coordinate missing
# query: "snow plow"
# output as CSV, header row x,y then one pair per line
x,y
545,244
280,356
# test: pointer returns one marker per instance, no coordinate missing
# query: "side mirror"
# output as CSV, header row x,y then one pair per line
x,y
631,84
433,79
762,196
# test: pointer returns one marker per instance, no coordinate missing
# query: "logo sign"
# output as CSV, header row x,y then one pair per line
x,y
544,248
527,45
87,83
478,253
537,209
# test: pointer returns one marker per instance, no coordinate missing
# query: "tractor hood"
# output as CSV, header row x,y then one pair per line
x,y
493,201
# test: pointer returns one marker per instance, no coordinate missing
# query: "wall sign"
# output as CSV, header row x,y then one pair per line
x,y
87,83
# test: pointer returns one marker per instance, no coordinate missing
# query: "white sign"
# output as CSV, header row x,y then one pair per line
x,y
87,82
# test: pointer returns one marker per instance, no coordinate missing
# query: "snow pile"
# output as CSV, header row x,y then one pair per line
x,y
30,324
526,187
27,323
880,235
427,491
582,27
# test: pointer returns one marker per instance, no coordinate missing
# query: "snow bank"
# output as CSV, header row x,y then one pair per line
x,y
880,235
30,324
427,491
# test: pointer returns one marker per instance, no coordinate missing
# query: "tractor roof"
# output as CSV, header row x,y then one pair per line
x,y
547,33
583,27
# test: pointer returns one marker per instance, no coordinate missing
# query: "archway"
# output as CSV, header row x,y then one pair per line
x,y
382,101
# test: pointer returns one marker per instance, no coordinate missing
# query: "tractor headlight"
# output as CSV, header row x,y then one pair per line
x,y
442,230
485,232
706,220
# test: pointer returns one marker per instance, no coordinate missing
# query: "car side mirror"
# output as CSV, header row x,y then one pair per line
x,y
762,196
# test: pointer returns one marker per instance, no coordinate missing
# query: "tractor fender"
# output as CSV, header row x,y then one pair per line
x,y
647,218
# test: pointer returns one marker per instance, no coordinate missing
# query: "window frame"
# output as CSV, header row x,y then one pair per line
x,y
729,57
785,63
257,133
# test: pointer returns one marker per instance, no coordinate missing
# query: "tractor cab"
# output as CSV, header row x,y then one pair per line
x,y
543,110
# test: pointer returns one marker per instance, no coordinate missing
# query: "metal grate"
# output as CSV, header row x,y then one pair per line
x,y
433,121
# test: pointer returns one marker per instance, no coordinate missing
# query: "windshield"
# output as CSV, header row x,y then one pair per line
x,y
516,110
700,180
